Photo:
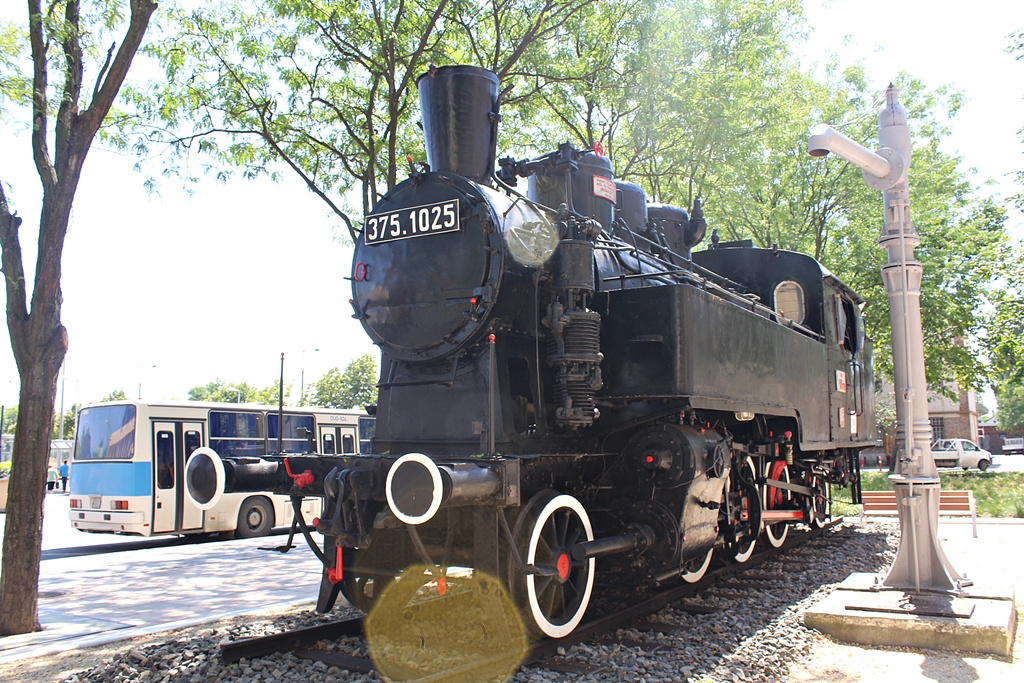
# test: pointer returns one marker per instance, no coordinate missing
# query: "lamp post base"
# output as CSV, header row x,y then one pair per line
x,y
920,563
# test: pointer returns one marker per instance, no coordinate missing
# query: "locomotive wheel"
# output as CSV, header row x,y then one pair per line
x,y
555,596
822,502
362,591
742,551
775,499
698,572
255,518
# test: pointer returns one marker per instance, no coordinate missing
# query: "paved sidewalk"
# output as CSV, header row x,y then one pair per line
x,y
993,560
94,599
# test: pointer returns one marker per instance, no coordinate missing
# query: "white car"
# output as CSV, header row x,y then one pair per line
x,y
960,453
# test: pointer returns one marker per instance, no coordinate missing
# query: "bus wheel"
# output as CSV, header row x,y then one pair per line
x,y
255,518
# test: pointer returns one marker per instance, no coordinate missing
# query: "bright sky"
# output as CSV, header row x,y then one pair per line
x,y
167,292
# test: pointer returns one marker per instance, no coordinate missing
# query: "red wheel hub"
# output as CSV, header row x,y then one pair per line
x,y
563,566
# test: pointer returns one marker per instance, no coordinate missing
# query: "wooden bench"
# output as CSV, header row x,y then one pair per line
x,y
951,503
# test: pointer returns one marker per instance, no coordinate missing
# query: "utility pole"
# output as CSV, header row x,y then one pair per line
x,y
920,563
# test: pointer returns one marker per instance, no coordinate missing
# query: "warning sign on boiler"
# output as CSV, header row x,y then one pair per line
x,y
604,187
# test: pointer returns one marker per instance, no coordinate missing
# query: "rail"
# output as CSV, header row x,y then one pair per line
x,y
303,642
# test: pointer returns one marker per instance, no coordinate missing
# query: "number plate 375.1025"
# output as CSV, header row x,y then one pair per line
x,y
429,219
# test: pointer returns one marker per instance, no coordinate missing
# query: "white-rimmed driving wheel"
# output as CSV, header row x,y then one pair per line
x,y
741,484
777,499
552,589
698,568
821,504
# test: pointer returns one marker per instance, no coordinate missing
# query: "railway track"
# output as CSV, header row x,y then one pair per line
x,y
306,643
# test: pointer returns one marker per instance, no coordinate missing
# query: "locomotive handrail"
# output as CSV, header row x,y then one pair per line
x,y
704,278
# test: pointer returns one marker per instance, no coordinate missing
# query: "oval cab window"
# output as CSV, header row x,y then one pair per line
x,y
789,301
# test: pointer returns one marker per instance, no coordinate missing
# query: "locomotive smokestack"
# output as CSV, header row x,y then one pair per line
x,y
459,105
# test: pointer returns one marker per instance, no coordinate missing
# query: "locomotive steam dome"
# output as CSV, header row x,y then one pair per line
x,y
431,258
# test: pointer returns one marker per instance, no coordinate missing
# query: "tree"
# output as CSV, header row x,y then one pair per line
x,y
356,387
59,44
1017,47
69,423
1010,416
327,91
115,395
10,420
240,392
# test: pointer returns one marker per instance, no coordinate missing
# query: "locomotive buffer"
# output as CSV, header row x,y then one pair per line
x,y
923,601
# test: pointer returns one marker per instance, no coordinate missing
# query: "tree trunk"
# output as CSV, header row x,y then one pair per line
x,y
38,338
23,551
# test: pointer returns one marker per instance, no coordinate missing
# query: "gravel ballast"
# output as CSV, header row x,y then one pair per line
x,y
755,636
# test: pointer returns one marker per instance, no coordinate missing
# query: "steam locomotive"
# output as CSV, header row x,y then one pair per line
x,y
568,387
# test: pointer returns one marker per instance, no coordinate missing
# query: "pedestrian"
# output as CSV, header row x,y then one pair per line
x,y
51,477
64,477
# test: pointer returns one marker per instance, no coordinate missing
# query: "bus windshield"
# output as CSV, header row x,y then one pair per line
x,y
105,433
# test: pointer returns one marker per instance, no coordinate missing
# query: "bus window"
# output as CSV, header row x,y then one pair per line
x,y
329,444
296,432
165,460
367,430
348,444
106,432
193,440
237,433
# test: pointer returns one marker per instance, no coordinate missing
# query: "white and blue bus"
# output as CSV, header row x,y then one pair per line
x,y
127,472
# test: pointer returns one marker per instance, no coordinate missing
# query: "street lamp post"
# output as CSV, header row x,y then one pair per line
x,y
920,562
141,369
302,380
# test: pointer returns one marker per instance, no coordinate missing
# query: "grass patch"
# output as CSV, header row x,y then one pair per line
x,y
997,494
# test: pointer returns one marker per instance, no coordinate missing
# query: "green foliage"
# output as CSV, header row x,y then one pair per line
x,y
698,98
117,394
326,91
239,392
10,420
1010,397
355,387
69,424
15,82
998,494
1016,47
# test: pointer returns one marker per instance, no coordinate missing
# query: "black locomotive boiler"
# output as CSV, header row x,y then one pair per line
x,y
567,387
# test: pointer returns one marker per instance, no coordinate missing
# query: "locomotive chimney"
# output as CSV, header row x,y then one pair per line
x,y
459,105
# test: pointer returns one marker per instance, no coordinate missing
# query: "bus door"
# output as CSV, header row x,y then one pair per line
x,y
173,442
338,439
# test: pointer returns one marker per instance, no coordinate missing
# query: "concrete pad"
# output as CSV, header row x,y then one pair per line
x,y
981,622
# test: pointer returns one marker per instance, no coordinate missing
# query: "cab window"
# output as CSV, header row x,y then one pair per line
x,y
789,301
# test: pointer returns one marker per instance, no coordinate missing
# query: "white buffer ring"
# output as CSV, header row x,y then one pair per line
x,y
219,477
436,492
